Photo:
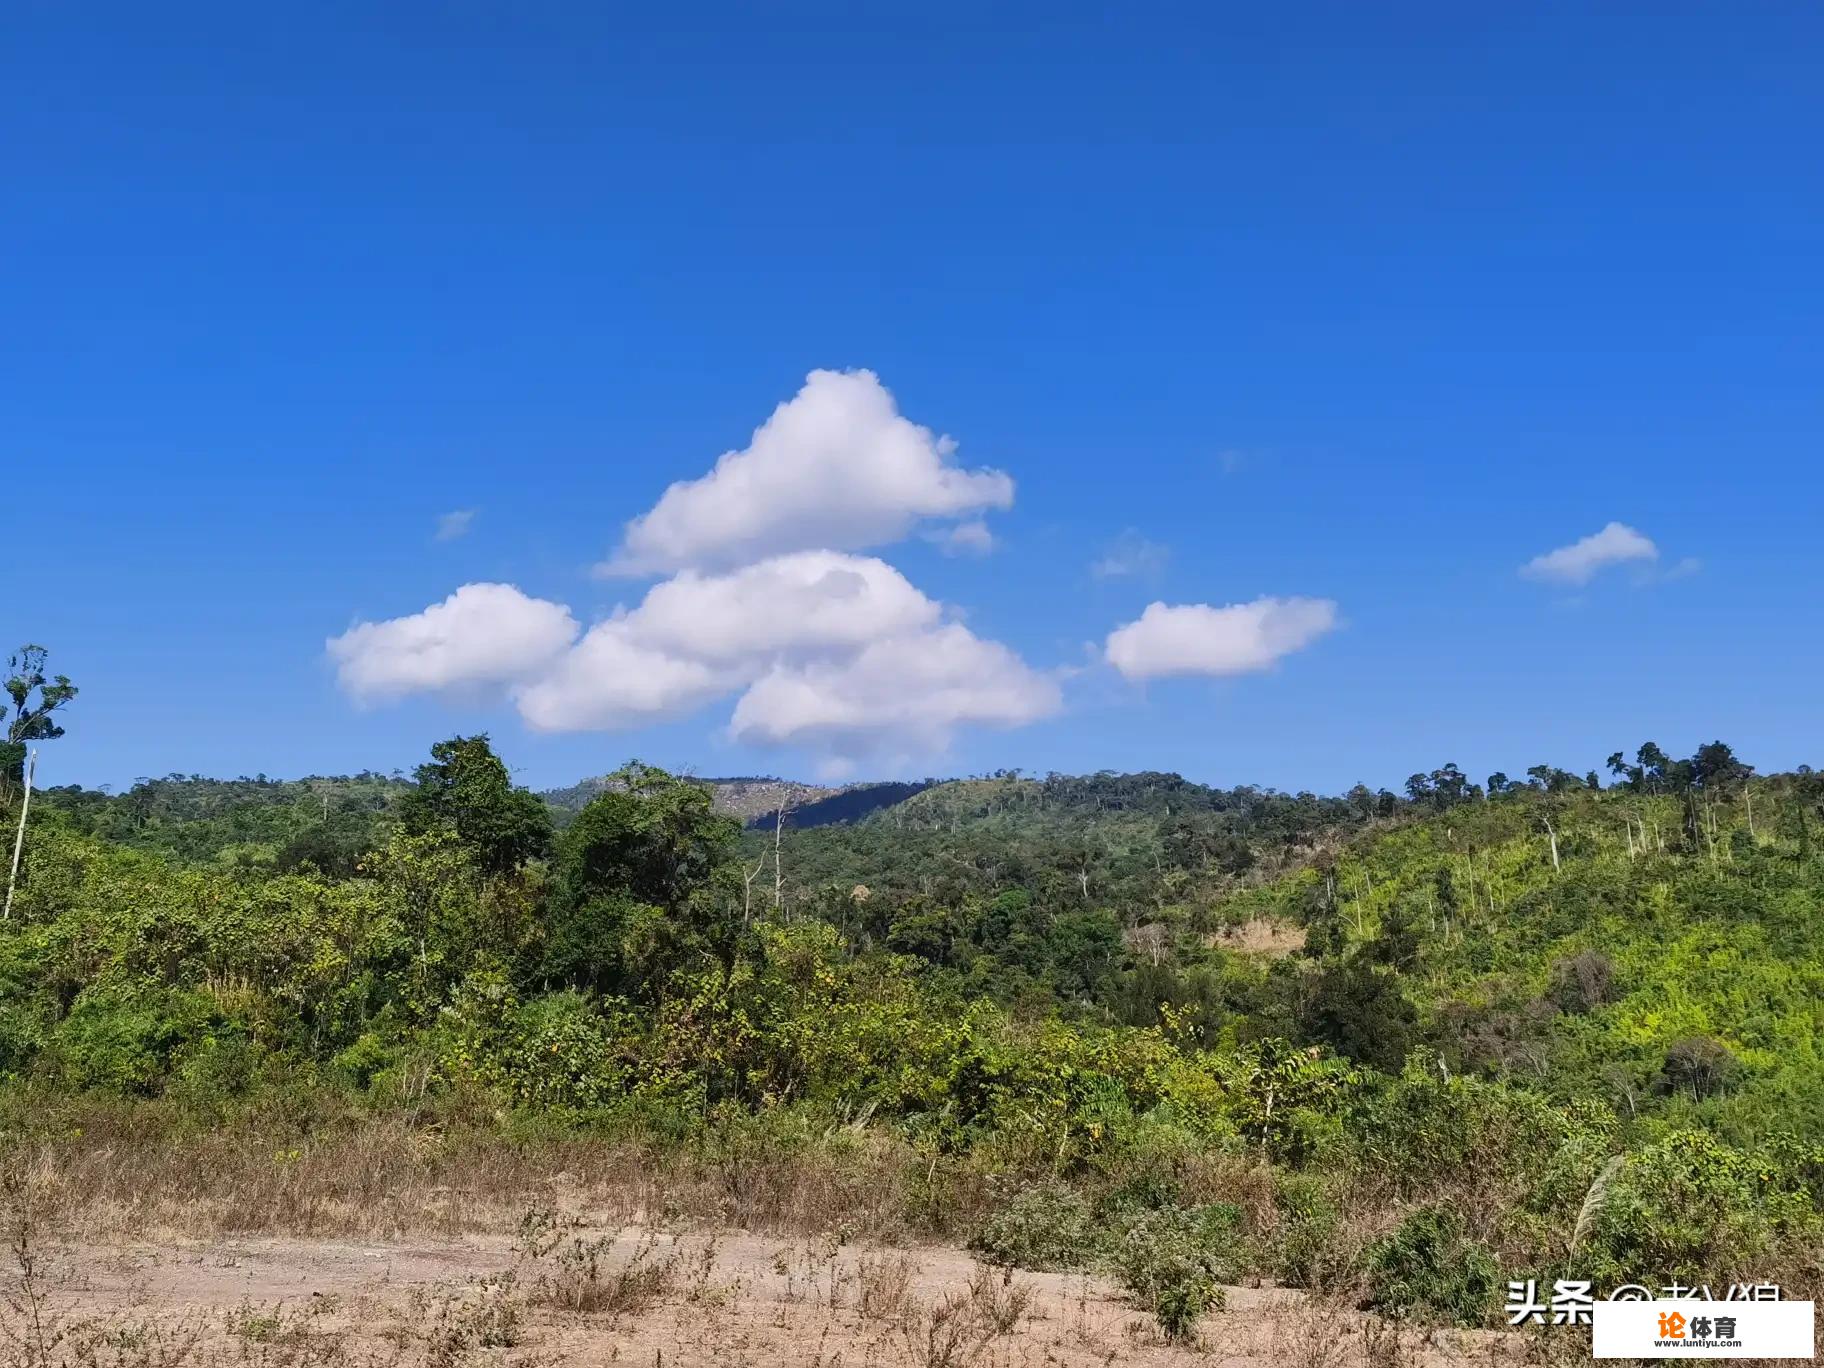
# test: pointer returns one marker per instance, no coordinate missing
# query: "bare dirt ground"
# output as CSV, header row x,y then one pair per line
x,y
583,1296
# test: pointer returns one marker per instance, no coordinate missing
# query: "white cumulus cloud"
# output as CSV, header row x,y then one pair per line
x,y
1198,639
912,690
697,637
837,653
482,636
836,466
1579,562
612,680
808,601
762,601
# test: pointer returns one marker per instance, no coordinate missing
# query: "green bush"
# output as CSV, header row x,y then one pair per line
x,y
1304,1242
1048,1227
215,1071
363,1061
1689,1206
1136,1196
1430,1268
1171,1262
125,1042
560,1051
20,1039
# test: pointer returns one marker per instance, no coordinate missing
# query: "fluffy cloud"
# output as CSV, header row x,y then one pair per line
x,y
835,466
1579,562
762,601
1197,639
611,680
483,636
834,652
698,637
812,601
909,690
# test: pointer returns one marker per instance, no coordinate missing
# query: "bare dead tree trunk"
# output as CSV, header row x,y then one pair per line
x,y
747,889
1552,834
25,803
778,868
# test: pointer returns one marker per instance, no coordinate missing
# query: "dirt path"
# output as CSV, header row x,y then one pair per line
x,y
632,1297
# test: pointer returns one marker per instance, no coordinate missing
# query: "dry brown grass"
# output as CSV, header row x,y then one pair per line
x,y
107,1168
1264,937
960,1327
884,1286
582,1277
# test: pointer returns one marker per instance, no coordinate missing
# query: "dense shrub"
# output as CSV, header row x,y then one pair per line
x,y
126,1041
1303,1244
21,1036
1047,1226
559,1051
1693,1207
1172,1261
1429,1268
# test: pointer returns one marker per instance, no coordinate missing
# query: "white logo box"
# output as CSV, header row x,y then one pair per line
x,y
1631,1329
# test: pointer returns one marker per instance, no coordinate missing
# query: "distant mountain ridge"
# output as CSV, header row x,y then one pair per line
x,y
755,800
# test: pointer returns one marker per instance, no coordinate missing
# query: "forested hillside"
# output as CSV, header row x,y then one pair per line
x,y
1416,1044
253,824
746,798
759,801
1117,841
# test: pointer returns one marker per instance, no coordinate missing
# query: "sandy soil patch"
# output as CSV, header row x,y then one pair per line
x,y
587,1296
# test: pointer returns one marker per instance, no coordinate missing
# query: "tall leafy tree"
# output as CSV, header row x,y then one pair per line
x,y
1628,774
465,789
1716,768
1359,1009
35,697
641,884
1654,764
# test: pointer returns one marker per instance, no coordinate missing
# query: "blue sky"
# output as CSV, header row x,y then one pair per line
x,y
1362,305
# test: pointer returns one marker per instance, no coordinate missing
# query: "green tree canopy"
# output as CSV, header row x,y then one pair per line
x,y
35,697
464,788
637,883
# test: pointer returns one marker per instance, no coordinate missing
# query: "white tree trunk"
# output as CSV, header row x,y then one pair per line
x,y
25,803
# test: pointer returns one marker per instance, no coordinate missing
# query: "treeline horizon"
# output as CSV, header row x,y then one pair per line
x,y
1652,770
